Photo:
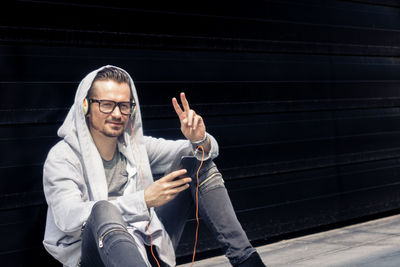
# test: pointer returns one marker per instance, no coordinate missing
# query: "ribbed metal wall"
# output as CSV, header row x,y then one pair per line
x,y
303,97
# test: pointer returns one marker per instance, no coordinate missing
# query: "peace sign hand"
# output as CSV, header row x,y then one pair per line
x,y
192,124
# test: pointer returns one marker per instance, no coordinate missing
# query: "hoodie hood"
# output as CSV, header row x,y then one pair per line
x,y
75,132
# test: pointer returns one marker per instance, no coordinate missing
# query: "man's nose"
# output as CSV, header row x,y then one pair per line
x,y
116,112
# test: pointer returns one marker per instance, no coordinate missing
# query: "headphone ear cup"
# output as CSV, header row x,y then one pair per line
x,y
133,113
85,106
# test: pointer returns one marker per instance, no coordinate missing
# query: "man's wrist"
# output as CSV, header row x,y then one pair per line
x,y
203,142
200,142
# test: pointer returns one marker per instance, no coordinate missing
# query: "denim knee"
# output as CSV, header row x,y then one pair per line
x,y
104,213
209,176
102,206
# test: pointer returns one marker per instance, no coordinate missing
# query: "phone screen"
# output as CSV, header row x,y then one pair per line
x,y
189,163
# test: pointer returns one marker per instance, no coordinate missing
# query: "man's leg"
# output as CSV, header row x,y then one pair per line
x,y
174,214
217,211
105,240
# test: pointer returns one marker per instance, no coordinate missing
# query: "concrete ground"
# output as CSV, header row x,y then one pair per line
x,y
373,243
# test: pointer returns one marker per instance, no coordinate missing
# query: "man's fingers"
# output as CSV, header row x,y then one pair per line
x,y
179,189
180,181
196,121
185,103
173,175
191,115
186,115
177,108
174,192
180,184
174,184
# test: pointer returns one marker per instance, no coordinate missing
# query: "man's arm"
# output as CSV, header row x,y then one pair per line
x,y
64,191
162,152
67,193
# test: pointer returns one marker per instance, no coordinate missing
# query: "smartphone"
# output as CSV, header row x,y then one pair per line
x,y
189,163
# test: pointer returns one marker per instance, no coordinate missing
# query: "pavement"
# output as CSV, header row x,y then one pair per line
x,y
372,243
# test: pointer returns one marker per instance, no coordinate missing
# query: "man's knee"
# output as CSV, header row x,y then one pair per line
x,y
103,206
210,176
207,168
104,212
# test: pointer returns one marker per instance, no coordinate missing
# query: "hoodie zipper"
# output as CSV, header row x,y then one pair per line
x,y
106,233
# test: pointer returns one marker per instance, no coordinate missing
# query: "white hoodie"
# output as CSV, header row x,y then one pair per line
x,y
74,179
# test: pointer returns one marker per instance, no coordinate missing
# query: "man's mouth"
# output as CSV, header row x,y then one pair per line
x,y
114,123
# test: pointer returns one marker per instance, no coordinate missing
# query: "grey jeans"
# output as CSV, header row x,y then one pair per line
x,y
105,240
216,210
118,248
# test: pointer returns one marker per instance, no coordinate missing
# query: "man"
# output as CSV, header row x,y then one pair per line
x,y
104,207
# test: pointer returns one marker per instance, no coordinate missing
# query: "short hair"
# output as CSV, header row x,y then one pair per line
x,y
110,73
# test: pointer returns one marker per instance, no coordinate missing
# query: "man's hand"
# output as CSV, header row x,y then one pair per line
x,y
192,125
166,188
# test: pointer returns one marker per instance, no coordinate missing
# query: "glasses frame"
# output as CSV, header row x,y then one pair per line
x,y
99,101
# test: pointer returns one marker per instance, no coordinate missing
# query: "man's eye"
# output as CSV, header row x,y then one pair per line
x,y
107,105
125,106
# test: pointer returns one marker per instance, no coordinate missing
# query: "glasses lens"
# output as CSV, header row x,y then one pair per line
x,y
125,107
106,106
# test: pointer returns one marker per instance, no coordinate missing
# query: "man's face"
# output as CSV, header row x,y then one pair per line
x,y
113,124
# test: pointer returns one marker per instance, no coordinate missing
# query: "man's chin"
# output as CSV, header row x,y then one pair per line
x,y
113,133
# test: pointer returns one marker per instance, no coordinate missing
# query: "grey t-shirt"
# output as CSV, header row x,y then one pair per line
x,y
116,174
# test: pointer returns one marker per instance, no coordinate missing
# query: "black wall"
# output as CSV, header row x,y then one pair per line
x,y
303,97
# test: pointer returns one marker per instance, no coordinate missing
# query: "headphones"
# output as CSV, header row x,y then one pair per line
x,y
86,108
132,115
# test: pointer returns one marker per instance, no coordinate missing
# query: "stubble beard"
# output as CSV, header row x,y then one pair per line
x,y
114,132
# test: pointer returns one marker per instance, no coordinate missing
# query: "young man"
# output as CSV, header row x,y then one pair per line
x,y
105,209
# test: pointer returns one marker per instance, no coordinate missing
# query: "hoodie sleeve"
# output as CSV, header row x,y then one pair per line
x,y
67,193
162,152
65,190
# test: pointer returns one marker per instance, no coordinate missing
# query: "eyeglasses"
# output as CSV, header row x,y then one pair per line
x,y
108,106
